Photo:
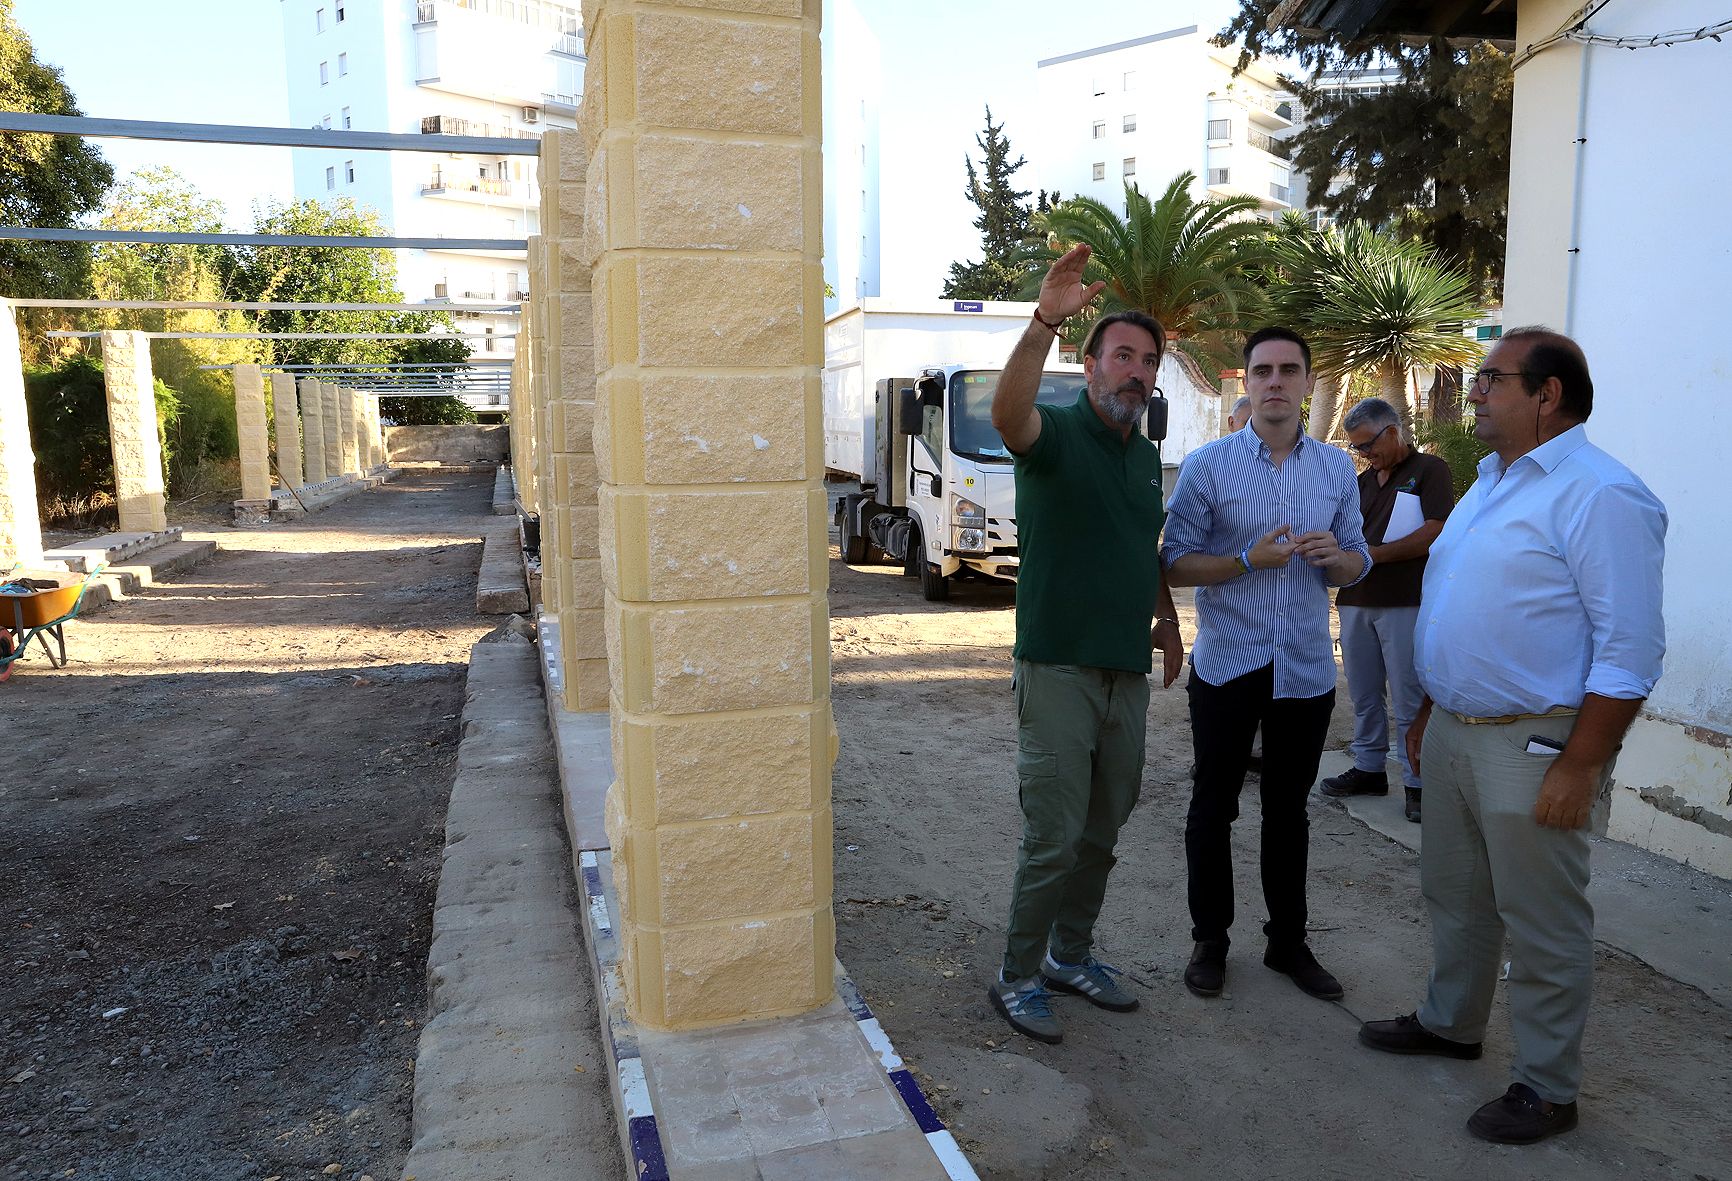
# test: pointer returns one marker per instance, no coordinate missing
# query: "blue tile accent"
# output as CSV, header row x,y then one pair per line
x,y
648,1164
916,1102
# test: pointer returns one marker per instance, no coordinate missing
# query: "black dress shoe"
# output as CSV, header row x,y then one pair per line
x,y
1405,1035
1520,1116
1410,807
1354,782
1206,974
1296,961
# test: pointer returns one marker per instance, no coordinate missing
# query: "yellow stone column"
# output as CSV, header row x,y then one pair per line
x,y
331,419
313,428
348,431
287,416
255,433
523,414
20,518
552,506
706,218
567,333
132,433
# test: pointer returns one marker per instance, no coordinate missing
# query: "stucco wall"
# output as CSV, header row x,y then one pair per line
x,y
447,444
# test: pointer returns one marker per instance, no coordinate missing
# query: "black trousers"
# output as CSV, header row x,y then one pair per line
x,y
1224,719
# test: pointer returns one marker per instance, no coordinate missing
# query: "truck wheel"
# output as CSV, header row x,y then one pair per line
x,y
852,545
934,587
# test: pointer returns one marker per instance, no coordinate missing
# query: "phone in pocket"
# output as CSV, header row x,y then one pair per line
x,y
1539,744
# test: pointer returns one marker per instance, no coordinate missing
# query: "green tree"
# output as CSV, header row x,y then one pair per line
x,y
1427,155
68,409
1193,265
45,180
1004,222
336,274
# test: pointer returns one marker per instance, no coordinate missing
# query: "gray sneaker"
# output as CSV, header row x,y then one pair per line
x,y
1092,980
1027,1005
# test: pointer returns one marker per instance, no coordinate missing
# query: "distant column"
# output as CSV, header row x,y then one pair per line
x,y
288,422
313,428
349,430
20,525
255,433
132,434
331,420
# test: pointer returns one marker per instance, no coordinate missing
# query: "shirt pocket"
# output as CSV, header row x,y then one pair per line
x,y
1318,513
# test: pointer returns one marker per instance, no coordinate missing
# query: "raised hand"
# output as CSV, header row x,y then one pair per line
x,y
1062,293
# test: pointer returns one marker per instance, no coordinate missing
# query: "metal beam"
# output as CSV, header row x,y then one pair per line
x,y
280,137
160,237
376,367
63,335
182,305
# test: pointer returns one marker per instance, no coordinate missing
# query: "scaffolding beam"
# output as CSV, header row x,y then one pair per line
x,y
279,137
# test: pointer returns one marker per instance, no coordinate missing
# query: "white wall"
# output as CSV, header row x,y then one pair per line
x,y
852,72
1647,305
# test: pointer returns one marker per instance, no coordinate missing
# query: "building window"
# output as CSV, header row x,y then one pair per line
x,y
1100,129
1488,332
1098,85
349,171
319,20
340,13
1130,165
324,73
342,65
1219,176
325,123
1130,122
1130,79
1100,170
1220,129
330,178
347,121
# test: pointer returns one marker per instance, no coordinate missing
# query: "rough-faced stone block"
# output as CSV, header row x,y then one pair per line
x,y
736,868
723,544
679,660
676,193
581,633
132,432
691,769
710,311
742,970
576,319
587,585
286,413
254,433
714,429
716,74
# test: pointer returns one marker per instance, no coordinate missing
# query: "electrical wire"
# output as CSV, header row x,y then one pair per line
x,y
1574,30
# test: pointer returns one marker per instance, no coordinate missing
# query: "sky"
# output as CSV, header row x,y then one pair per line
x,y
944,62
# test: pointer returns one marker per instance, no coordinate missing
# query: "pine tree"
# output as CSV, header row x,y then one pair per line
x,y
1003,223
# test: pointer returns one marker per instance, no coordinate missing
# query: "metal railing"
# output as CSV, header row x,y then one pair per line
x,y
488,186
1220,176
1268,143
453,125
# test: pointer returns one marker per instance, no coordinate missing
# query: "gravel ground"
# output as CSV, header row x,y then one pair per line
x,y
221,827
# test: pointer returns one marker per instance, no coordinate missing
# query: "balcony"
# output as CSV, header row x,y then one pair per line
x,y
479,190
1281,193
452,125
1278,148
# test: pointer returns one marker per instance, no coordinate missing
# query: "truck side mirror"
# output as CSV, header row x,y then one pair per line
x,y
908,416
1157,428
931,393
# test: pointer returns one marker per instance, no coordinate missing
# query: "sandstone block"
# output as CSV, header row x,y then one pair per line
x,y
711,311
672,192
705,769
723,544
681,660
576,319
132,432
741,970
733,869
586,686
715,74
587,587
714,429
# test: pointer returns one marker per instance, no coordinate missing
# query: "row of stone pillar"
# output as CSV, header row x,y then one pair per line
x,y
322,431
666,424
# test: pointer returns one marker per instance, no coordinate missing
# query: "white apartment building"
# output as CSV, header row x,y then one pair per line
x,y
507,68
1144,110
852,80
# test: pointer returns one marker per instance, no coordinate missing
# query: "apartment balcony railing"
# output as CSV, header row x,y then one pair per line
x,y
561,18
452,125
486,186
1268,143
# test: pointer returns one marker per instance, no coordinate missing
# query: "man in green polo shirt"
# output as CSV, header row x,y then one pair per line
x,y
1088,520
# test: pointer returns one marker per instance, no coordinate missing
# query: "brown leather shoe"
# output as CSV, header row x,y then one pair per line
x,y
1405,1035
1520,1116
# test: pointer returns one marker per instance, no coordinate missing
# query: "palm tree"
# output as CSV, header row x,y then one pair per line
x,y
1388,305
1190,264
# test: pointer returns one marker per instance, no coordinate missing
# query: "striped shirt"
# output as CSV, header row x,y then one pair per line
x,y
1229,494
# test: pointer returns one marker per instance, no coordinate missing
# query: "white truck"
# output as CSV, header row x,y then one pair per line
x,y
908,413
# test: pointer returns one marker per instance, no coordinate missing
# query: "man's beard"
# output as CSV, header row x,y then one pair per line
x,y
1115,410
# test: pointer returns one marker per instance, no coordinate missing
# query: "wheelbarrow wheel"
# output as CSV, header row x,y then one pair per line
x,y
7,644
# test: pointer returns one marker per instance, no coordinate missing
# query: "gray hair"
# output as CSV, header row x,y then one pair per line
x,y
1371,412
1244,401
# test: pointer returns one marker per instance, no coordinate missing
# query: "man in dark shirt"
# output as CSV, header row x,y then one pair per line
x,y
1404,496
1088,517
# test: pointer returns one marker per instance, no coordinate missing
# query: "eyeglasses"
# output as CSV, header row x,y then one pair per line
x,y
1485,378
1365,447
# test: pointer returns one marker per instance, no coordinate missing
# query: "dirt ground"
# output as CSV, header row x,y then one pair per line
x,y
1262,1082
221,831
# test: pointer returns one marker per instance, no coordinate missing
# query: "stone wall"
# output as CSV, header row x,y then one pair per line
x,y
447,444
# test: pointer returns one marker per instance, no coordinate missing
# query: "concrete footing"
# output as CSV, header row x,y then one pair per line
x,y
289,506
504,493
500,588
110,548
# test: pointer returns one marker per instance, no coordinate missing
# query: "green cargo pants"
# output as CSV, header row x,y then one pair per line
x,y
1079,766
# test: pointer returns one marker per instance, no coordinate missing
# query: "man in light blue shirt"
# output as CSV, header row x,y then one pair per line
x,y
1263,523
1540,634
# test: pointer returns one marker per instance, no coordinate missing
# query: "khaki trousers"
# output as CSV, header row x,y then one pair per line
x,y
1489,869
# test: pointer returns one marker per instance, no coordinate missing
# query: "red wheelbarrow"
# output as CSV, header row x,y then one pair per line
x,y
35,609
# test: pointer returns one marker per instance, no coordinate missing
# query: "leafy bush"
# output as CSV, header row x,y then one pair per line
x,y
68,409
1455,443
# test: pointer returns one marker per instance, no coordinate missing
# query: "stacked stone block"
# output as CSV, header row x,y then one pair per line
x,y
704,231
255,434
287,416
331,420
313,428
20,522
132,433
348,433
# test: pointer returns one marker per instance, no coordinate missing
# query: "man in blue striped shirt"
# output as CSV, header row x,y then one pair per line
x,y
1262,523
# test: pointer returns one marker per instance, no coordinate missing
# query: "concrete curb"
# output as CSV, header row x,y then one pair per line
x,y
293,506
506,1076
504,493
499,584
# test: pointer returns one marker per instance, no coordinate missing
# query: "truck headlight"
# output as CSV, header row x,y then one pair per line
x,y
967,526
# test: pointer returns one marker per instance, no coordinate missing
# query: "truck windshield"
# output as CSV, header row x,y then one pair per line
x,y
971,430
